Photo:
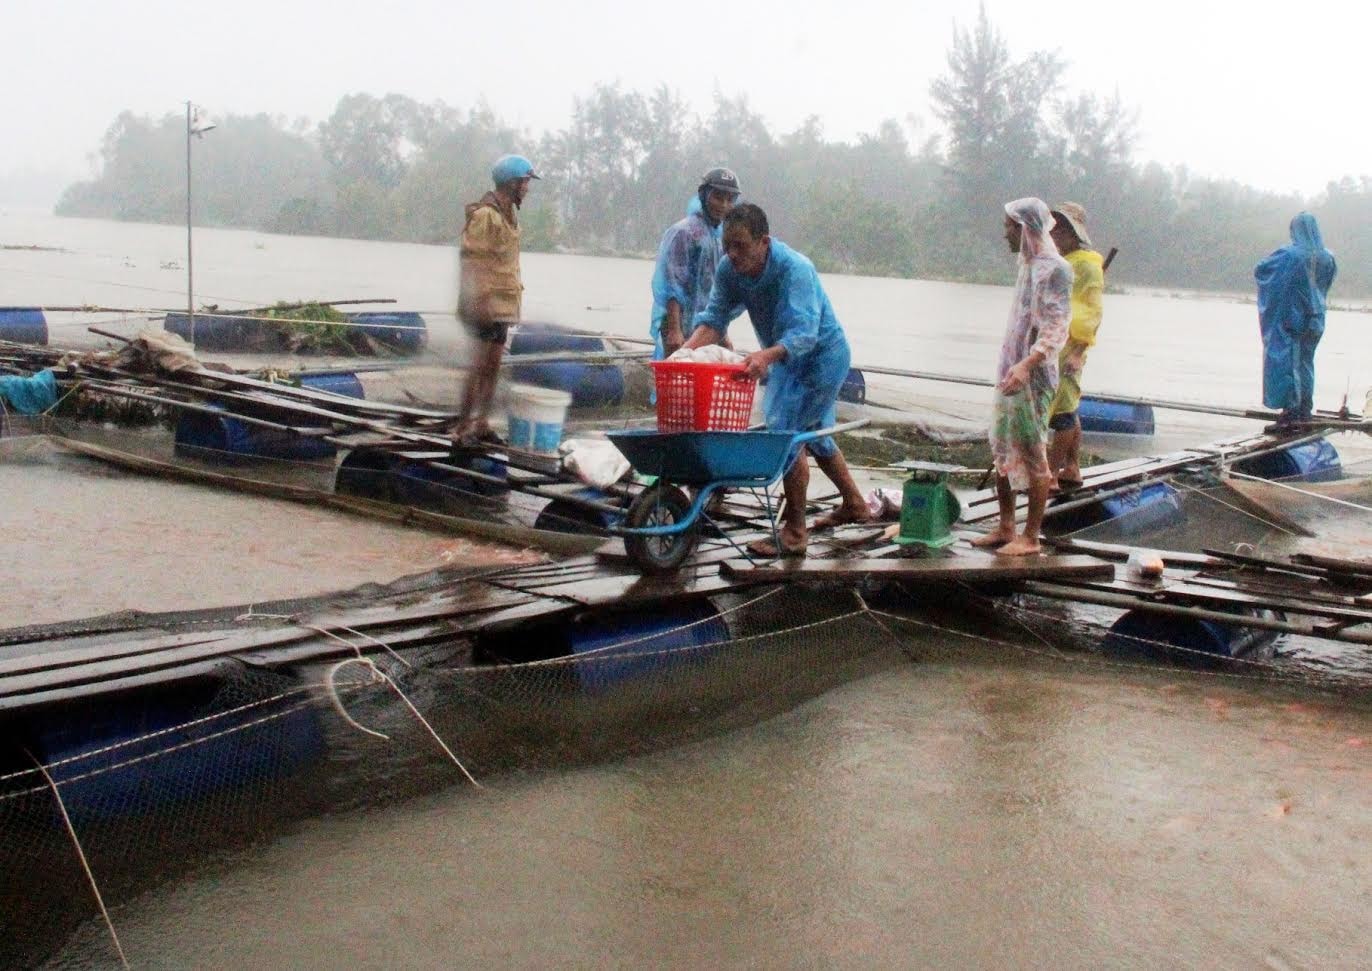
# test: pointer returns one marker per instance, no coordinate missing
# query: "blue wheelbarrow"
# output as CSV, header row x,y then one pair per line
x,y
661,525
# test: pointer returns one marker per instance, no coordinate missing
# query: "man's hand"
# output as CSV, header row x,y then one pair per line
x,y
758,362
1015,379
672,339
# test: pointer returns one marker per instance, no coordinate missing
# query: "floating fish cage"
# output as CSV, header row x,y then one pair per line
x,y
403,332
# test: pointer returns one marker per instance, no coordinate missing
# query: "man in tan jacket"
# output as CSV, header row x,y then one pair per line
x,y
490,290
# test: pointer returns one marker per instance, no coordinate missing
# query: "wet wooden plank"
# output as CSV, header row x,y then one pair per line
x,y
1120,553
945,569
1186,593
632,588
81,660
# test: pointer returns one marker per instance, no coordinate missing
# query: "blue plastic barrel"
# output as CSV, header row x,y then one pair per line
x,y
854,388
565,516
374,474
401,330
1185,641
420,484
590,385
213,332
118,772
225,438
654,642
1316,461
24,325
343,383
1116,417
1137,511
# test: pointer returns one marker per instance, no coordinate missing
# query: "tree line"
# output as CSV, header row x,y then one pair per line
x,y
903,200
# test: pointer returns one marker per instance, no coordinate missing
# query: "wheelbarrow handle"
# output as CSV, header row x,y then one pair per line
x,y
846,426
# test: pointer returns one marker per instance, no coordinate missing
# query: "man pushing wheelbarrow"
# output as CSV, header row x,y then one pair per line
x,y
804,355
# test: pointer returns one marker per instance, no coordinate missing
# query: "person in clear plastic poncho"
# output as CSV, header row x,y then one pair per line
x,y
1292,286
686,260
1027,374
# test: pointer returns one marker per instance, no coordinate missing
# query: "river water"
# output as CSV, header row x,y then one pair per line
x,y
975,804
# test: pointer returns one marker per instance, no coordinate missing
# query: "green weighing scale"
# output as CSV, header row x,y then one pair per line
x,y
928,508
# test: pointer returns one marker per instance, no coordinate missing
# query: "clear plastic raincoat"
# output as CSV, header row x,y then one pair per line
x,y
1039,316
788,306
685,270
1292,286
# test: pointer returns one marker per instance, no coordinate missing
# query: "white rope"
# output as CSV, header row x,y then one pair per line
x,y
81,855
377,675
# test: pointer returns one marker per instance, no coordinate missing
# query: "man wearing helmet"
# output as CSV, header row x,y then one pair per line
x,y
489,288
686,261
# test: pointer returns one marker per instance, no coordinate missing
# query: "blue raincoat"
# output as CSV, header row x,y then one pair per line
x,y
686,261
788,306
1292,286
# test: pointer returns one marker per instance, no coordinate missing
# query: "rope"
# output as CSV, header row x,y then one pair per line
x,y
377,675
1304,492
85,864
594,652
1239,509
161,752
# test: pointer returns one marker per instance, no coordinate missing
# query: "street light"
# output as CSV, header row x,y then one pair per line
x,y
194,126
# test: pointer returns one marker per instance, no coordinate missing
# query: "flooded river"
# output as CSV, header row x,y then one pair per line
x,y
965,804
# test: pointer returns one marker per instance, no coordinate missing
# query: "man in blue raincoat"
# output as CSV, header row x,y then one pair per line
x,y
686,261
804,355
1293,284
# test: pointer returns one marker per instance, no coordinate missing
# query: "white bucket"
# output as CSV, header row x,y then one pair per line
x,y
536,417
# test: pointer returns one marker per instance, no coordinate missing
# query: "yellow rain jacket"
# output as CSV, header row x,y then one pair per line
x,y
1088,284
490,289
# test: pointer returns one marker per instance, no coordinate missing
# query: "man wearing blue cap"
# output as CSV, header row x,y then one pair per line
x,y
490,290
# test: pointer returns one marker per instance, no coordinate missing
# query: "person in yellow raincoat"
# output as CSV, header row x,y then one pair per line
x,y
490,290
1088,285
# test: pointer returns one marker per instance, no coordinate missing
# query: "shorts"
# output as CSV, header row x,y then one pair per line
x,y
488,331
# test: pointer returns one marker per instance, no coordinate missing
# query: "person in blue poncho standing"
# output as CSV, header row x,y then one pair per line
x,y
1293,284
686,261
804,355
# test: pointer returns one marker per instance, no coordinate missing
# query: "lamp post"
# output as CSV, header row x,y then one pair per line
x,y
194,126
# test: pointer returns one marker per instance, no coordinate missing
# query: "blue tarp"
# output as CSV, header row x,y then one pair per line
x,y
29,396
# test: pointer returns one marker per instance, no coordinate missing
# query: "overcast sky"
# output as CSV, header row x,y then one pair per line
x,y
1249,91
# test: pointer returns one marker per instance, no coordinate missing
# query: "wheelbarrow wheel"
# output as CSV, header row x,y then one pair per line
x,y
659,505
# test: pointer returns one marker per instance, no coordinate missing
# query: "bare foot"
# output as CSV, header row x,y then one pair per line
x,y
992,539
842,516
792,544
1020,546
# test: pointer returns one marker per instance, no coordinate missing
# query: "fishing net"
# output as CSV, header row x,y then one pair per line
x,y
159,780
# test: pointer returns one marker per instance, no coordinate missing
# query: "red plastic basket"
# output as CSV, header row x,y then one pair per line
x,y
696,397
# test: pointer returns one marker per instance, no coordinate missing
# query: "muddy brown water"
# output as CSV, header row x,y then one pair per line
x,y
993,811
